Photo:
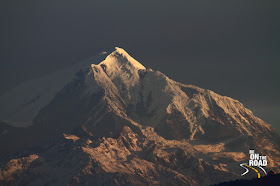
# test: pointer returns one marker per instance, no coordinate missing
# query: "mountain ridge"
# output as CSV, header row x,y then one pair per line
x,y
119,113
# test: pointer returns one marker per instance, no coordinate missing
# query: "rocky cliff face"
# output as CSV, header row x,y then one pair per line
x,y
120,123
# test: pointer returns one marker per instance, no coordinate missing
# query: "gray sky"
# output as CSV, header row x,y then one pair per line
x,y
230,47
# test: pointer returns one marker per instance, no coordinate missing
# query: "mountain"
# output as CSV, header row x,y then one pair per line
x,y
115,122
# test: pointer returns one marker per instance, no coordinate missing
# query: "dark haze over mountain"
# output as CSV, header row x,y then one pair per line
x,y
230,47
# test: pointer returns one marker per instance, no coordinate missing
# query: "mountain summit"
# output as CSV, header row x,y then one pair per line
x,y
119,57
115,122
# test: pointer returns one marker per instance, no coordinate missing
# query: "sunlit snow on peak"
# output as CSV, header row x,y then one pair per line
x,y
120,56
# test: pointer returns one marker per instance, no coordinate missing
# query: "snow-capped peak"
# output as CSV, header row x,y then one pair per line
x,y
120,57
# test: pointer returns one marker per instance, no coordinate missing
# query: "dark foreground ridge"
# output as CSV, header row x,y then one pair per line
x,y
269,180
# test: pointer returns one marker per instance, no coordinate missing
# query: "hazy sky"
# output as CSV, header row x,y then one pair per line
x,y
230,47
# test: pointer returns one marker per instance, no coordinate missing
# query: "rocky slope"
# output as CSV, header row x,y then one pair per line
x,y
120,123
